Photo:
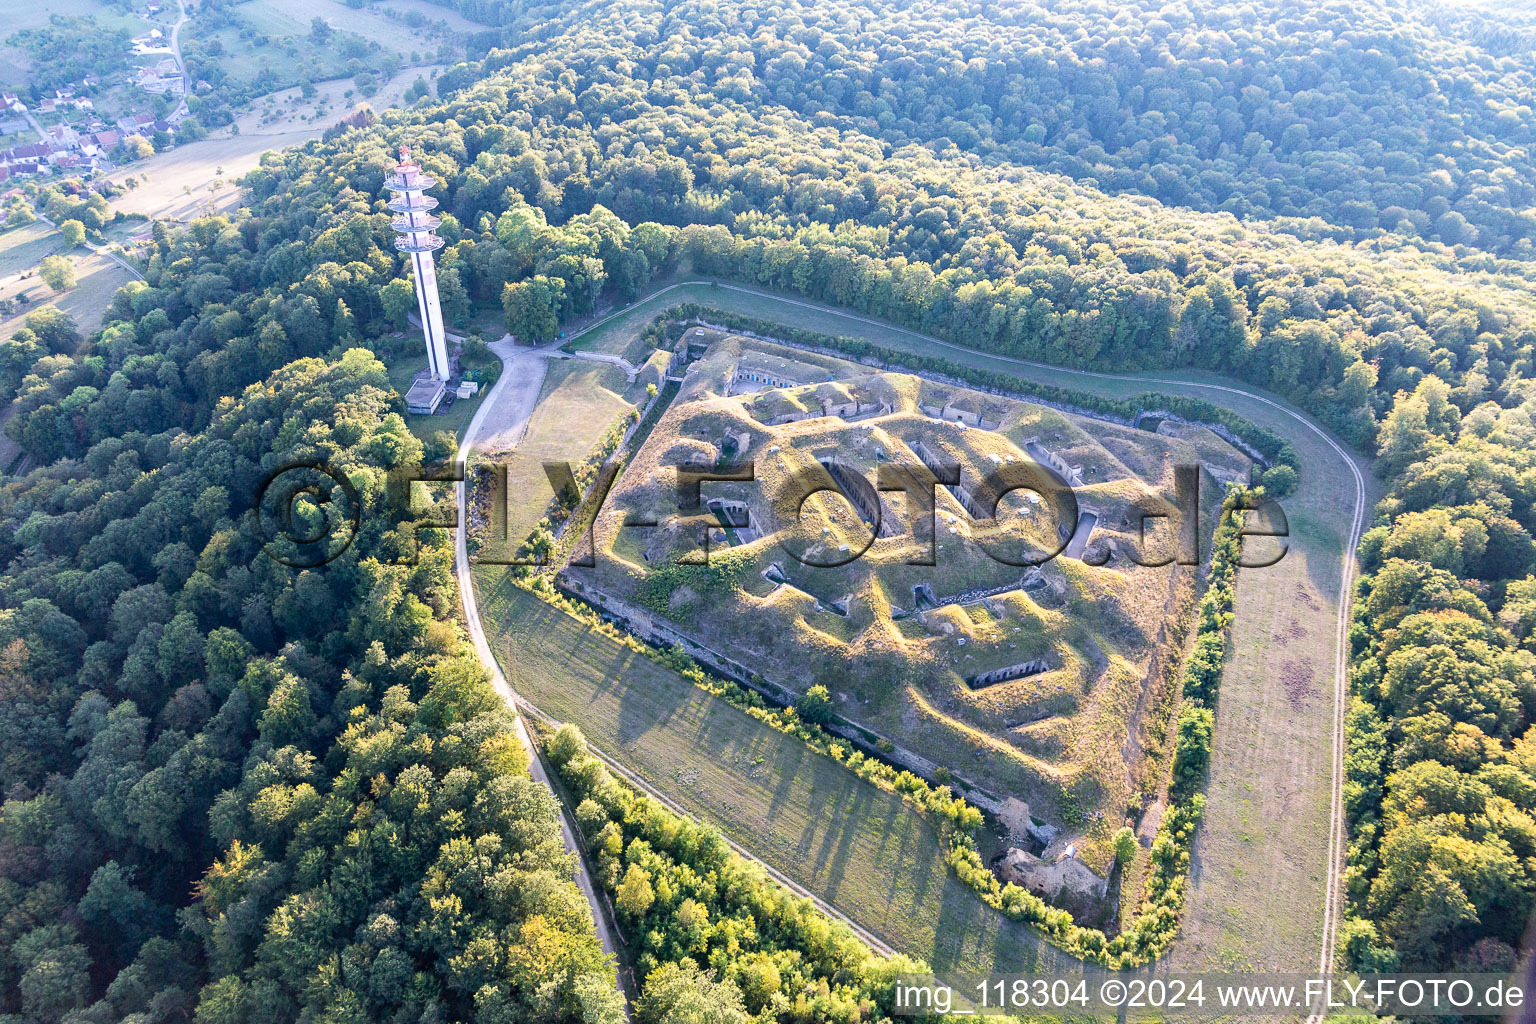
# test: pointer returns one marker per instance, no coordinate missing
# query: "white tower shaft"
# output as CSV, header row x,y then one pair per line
x,y
415,228
431,314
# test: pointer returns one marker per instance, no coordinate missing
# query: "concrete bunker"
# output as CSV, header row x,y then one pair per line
x,y
1008,673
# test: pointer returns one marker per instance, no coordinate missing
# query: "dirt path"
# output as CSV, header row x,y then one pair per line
x,y
100,250
629,368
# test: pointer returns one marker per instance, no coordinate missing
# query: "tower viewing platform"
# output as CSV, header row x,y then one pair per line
x,y
415,227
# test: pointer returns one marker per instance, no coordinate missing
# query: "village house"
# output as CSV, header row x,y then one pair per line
x,y
62,136
98,144
67,98
31,153
138,124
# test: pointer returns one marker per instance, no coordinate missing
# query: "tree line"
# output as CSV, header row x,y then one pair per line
x,y
716,941
578,173
1344,121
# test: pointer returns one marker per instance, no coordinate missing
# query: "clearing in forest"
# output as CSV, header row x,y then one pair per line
x,y
1042,684
1260,861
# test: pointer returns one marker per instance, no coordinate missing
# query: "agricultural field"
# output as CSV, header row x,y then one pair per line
x,y
179,184
97,279
1021,649
842,838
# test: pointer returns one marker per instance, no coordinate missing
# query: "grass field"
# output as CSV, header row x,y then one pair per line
x,y
97,280
23,248
177,184
368,22
403,369
282,46
288,111
432,12
579,401
1256,886
842,838
621,335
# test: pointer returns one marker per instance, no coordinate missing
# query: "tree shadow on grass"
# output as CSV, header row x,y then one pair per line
x,y
971,937
848,811
844,838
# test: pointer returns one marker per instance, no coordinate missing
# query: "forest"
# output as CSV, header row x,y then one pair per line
x,y
1343,120
240,791
316,757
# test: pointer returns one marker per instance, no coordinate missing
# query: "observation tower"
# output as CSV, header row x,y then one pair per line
x,y
416,225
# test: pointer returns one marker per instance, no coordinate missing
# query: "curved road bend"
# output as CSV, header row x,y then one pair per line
x,y
502,417
513,397
100,250
1336,839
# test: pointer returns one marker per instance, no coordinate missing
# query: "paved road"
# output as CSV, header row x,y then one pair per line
x,y
36,126
186,83
100,250
1332,896
503,413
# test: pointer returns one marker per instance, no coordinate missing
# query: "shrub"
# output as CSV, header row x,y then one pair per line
x,y
1125,845
815,706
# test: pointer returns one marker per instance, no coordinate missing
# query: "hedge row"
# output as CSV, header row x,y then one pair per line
x,y
1157,920
957,821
